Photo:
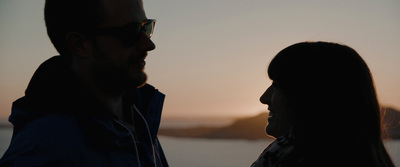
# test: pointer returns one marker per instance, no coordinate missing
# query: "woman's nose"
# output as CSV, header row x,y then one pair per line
x,y
266,97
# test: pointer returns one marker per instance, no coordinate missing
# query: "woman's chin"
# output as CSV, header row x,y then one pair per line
x,y
270,130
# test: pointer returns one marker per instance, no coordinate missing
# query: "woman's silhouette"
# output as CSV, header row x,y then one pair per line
x,y
323,109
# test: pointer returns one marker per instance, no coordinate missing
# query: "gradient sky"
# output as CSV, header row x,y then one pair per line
x,y
212,55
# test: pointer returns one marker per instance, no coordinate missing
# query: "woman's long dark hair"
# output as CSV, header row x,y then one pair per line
x,y
332,96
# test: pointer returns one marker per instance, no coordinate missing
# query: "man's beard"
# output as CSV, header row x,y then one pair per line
x,y
115,79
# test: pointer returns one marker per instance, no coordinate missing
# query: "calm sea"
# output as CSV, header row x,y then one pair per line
x,y
183,152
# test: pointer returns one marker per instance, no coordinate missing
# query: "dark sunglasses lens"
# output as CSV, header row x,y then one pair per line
x,y
148,28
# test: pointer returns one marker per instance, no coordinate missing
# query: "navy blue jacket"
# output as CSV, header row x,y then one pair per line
x,y
58,123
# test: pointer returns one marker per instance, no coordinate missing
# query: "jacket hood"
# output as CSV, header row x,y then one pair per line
x,y
54,88
58,108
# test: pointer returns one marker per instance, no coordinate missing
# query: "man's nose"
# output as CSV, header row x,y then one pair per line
x,y
146,43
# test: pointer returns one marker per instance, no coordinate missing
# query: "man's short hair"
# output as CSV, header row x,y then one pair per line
x,y
64,16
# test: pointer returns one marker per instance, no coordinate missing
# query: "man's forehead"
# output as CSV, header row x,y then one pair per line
x,y
121,12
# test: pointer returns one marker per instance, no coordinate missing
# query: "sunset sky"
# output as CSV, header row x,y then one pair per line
x,y
212,55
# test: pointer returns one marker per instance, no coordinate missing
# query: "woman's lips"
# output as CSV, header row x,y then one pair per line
x,y
270,115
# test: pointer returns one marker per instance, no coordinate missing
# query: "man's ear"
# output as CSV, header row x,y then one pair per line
x,y
78,44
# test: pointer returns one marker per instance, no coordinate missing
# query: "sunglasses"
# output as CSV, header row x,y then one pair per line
x,y
129,34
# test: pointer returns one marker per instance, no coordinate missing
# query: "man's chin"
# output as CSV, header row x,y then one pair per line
x,y
140,80
144,83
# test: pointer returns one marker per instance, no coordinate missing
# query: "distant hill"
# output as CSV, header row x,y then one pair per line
x,y
5,124
392,122
252,128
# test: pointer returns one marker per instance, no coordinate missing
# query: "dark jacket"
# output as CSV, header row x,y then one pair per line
x,y
58,123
